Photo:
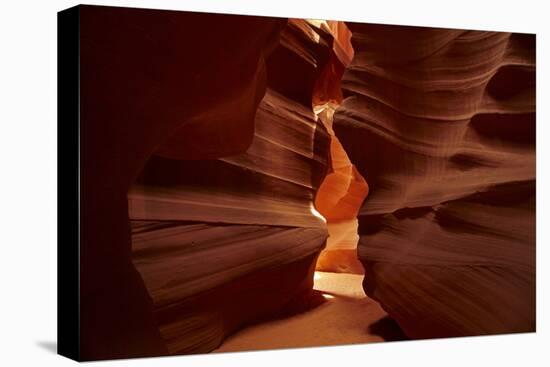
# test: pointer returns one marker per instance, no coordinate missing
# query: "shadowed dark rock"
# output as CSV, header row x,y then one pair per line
x,y
441,124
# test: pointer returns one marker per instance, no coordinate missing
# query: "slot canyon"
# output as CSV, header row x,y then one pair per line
x,y
254,183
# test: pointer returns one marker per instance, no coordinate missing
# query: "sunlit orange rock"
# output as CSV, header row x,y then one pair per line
x,y
343,189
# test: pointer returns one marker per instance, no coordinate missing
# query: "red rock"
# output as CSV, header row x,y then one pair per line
x,y
147,76
222,243
441,124
213,170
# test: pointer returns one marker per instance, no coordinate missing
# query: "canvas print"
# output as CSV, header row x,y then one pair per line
x,y
253,183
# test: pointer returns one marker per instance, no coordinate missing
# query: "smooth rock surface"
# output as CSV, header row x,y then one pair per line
x,y
184,85
221,243
441,124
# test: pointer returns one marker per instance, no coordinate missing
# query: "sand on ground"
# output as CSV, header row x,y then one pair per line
x,y
347,317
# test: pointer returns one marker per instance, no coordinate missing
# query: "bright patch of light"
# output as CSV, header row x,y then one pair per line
x,y
316,213
319,23
317,109
317,276
327,296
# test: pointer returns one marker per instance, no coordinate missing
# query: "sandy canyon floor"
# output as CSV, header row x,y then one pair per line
x,y
347,316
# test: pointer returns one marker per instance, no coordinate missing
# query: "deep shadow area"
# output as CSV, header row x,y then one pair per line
x,y
388,329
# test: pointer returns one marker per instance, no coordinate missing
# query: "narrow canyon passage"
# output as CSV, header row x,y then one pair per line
x,y
266,234
265,212
226,243
341,313
347,316
268,182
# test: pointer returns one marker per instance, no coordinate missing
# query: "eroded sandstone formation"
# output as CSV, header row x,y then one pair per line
x,y
222,243
343,189
441,124
141,92
214,167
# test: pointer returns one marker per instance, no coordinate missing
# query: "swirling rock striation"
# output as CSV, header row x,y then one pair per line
x,y
186,85
441,124
222,243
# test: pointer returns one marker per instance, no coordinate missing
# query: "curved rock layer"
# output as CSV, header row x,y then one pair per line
x,y
222,243
441,124
141,92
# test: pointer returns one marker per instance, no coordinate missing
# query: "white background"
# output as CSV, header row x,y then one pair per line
x,y
28,144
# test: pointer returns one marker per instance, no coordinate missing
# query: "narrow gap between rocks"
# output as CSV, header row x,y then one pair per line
x,y
344,315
